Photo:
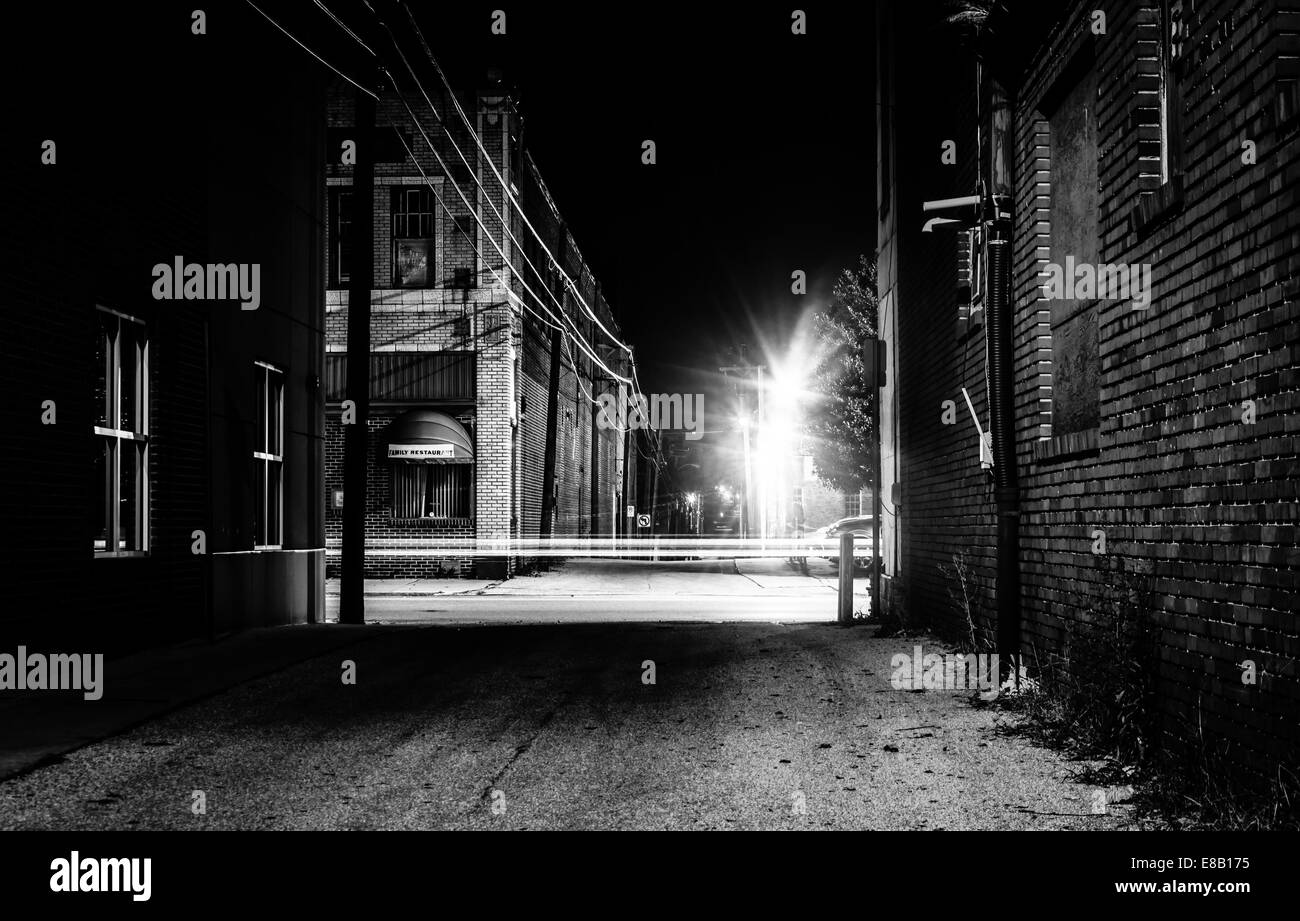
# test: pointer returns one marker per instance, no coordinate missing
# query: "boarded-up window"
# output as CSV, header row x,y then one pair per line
x,y
1074,242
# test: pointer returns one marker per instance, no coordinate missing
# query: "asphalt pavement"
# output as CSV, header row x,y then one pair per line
x,y
744,723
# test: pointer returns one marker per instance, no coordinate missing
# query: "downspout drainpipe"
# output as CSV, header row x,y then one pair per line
x,y
1001,357
1002,422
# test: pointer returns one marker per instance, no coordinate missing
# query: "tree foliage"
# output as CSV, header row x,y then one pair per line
x,y
839,421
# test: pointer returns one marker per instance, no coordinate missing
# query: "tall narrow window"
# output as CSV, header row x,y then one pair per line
x,y
340,237
413,237
1173,29
268,458
460,251
1075,240
120,509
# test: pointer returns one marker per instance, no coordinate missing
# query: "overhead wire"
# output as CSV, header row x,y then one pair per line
x,y
633,381
586,347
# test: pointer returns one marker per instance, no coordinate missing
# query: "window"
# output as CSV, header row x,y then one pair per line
x,y
431,490
1074,240
461,254
413,237
340,236
120,510
1173,35
1160,152
268,458
971,256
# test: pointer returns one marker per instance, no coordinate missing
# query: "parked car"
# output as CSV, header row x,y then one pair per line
x,y
861,526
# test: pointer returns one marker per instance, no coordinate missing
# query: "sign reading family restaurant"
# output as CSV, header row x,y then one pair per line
x,y
420,452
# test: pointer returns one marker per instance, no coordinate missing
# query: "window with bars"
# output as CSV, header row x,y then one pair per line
x,y
268,458
1160,145
971,262
1173,35
431,490
120,510
340,236
413,237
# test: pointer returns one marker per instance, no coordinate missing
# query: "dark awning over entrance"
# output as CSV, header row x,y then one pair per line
x,y
423,436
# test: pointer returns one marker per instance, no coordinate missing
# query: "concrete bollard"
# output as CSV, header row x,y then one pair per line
x,y
846,578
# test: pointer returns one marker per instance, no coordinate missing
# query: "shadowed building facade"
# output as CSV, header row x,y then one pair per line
x,y
1154,429
463,303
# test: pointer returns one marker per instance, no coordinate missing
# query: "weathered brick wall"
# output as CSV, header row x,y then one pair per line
x,y
1191,497
1182,488
512,343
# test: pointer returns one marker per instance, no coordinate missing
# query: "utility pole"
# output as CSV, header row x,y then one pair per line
x,y
352,588
628,482
745,374
877,369
746,510
999,342
553,403
595,438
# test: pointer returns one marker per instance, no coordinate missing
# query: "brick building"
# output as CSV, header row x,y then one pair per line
x,y
164,456
1157,133
462,307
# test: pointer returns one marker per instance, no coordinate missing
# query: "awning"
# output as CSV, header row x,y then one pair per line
x,y
422,436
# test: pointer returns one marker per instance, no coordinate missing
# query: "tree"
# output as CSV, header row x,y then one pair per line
x,y
839,420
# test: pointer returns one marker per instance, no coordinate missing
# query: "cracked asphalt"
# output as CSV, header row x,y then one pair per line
x,y
748,725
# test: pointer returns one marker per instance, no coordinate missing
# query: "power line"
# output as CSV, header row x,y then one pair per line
x,y
369,93
576,335
488,234
451,94
504,185
586,347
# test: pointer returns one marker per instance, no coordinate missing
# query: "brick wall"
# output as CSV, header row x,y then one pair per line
x,y
1181,487
1198,502
512,341
132,212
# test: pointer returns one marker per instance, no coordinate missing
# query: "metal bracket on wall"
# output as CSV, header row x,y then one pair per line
x,y
986,438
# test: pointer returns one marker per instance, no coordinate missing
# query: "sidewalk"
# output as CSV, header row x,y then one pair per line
x,y
416,587
631,577
41,726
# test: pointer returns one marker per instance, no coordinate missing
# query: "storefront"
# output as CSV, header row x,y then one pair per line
x,y
431,467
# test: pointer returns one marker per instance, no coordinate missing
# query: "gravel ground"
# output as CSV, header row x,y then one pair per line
x,y
748,725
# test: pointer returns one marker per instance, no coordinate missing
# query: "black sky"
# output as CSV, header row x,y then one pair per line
x,y
765,139
766,157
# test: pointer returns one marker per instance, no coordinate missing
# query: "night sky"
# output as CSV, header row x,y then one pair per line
x,y
765,139
766,158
